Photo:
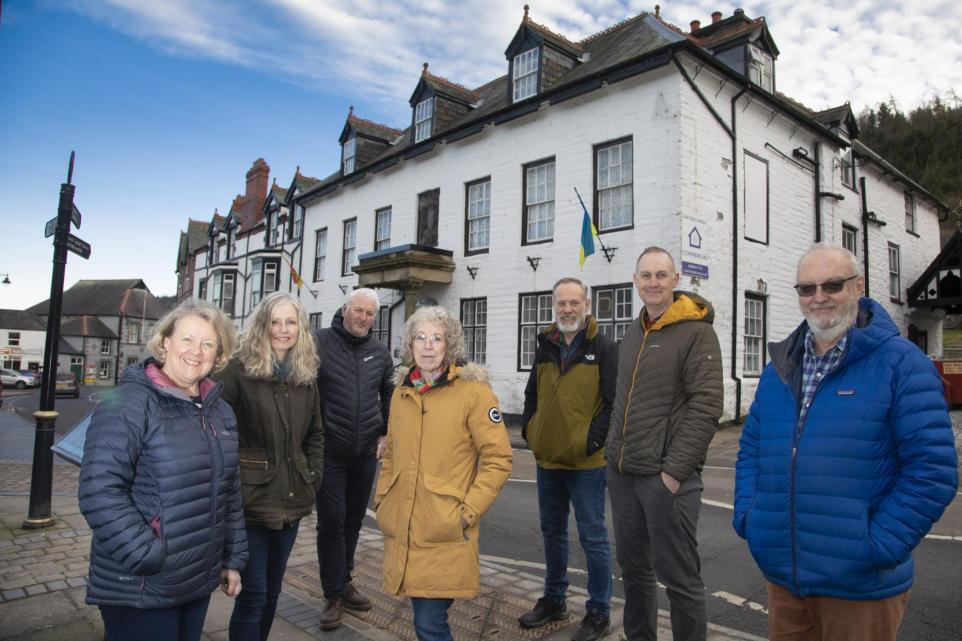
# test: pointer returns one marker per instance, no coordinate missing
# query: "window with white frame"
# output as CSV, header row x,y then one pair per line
x,y
105,346
909,212
761,68
895,273
850,238
423,119
320,253
263,279
613,185
297,227
525,74
847,165
612,310
224,291
315,320
536,314
754,358
133,331
131,360
539,202
474,322
478,216
349,246
13,339
103,368
382,326
349,154
382,228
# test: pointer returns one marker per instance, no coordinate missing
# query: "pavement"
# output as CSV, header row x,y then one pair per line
x,y
43,577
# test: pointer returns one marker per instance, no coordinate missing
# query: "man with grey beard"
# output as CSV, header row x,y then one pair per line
x,y
567,407
846,460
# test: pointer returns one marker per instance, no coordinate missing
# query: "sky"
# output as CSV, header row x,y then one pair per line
x,y
167,104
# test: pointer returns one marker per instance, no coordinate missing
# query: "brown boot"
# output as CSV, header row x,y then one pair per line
x,y
332,614
354,600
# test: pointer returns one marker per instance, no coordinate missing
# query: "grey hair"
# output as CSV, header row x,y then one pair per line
x,y
838,250
223,329
453,336
654,249
363,292
573,281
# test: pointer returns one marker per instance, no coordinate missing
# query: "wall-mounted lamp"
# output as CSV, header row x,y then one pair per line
x,y
533,261
872,217
800,153
473,271
6,279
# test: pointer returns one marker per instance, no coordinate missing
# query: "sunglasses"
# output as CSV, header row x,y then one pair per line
x,y
829,286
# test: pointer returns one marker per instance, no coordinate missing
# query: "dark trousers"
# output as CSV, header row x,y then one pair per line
x,y
341,504
655,538
431,619
181,623
261,582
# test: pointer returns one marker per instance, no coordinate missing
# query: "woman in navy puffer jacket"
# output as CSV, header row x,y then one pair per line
x,y
159,485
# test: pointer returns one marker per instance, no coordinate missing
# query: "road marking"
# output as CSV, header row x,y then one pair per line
x,y
523,480
741,602
727,506
718,467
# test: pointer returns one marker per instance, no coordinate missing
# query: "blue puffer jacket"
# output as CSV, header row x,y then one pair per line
x,y
153,456
836,507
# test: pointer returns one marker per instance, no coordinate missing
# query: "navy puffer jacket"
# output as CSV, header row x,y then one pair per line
x,y
356,381
160,488
835,507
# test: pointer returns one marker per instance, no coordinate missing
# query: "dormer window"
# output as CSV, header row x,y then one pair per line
x,y
349,154
761,70
525,74
423,119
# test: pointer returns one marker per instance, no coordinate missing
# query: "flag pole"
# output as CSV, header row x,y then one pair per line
x,y
597,236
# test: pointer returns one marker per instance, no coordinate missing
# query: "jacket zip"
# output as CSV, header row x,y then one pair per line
x,y
213,486
255,461
631,388
357,407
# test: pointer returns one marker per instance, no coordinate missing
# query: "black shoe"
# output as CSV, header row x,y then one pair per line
x,y
594,626
332,614
545,610
354,600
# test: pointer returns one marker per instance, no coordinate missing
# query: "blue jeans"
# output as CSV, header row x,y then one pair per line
x,y
181,623
261,582
341,506
431,619
585,491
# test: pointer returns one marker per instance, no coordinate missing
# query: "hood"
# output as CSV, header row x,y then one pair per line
x,y
688,306
467,371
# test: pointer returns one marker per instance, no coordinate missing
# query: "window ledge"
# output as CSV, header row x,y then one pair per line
x,y
897,301
909,231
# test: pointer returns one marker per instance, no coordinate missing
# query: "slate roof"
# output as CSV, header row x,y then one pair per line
x,y
21,319
867,152
86,326
447,87
107,298
65,347
279,193
373,129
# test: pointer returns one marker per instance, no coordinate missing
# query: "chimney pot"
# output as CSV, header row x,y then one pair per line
x,y
716,16
695,25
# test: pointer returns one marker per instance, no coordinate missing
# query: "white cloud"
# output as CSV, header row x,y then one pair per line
x,y
371,51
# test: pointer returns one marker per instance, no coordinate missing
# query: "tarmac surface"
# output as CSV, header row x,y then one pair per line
x,y
43,577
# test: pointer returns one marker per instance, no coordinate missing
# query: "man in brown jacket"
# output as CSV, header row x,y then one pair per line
x,y
667,405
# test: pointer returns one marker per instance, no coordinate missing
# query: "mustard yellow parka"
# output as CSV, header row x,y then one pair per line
x,y
447,458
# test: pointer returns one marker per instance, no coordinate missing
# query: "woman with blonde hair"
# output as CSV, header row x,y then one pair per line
x,y
446,460
272,385
159,485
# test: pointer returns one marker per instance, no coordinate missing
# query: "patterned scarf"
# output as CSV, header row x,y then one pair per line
x,y
421,384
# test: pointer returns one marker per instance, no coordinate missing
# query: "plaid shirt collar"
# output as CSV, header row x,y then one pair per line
x,y
815,368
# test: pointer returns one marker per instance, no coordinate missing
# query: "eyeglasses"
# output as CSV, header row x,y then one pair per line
x,y
828,287
434,339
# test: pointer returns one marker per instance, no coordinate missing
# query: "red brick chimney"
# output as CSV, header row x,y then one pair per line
x,y
695,25
716,16
256,192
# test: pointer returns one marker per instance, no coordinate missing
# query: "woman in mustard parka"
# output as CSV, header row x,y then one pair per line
x,y
447,458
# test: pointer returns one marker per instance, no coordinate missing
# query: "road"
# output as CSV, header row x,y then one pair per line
x,y
511,535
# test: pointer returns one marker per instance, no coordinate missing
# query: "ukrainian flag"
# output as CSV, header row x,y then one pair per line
x,y
588,233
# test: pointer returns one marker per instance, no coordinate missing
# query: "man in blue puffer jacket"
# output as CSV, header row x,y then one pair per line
x,y
847,458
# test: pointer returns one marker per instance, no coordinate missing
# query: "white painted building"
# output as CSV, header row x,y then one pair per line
x,y
673,139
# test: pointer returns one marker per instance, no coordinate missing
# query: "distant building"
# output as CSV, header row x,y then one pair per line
x,y
105,325
673,138
22,337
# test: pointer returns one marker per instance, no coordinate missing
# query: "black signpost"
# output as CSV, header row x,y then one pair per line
x,y
41,480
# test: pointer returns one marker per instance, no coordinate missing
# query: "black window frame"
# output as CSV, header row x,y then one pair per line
x,y
897,273
596,197
470,352
768,199
377,214
377,330
11,338
467,222
417,216
344,248
763,355
524,199
539,326
315,320
615,321
317,245
853,230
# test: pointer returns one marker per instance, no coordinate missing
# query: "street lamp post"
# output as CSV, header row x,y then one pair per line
x,y
41,480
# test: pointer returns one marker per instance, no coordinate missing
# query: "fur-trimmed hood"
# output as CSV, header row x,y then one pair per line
x,y
467,371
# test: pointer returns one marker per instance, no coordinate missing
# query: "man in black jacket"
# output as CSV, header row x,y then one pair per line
x,y
355,380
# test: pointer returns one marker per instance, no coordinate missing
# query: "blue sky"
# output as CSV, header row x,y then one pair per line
x,y
168,103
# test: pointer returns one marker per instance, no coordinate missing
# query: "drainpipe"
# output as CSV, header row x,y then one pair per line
x,y
735,299
861,183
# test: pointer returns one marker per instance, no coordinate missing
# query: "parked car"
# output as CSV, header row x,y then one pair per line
x,y
1,395
29,373
13,378
67,385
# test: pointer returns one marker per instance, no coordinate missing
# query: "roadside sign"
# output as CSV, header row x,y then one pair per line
x,y
75,216
50,227
77,246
